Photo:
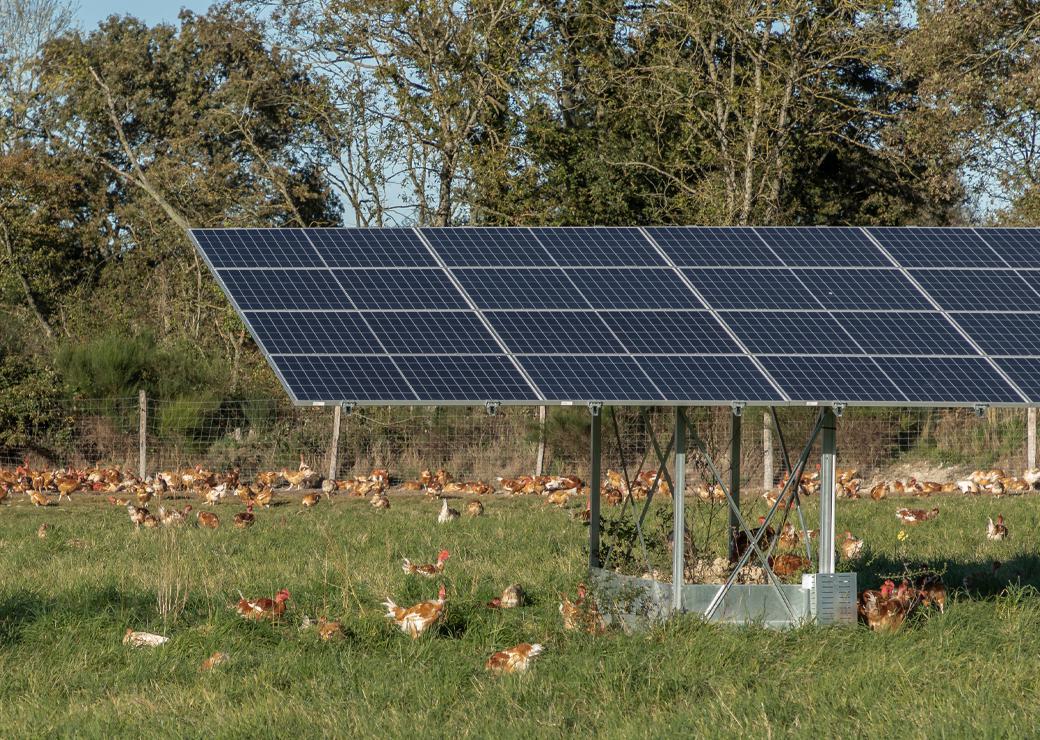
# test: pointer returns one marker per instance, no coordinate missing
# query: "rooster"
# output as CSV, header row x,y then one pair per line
x,y
512,597
447,514
416,619
244,519
998,530
271,609
427,569
515,659
916,516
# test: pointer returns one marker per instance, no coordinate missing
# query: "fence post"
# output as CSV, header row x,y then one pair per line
x,y
1031,437
767,452
337,410
142,433
541,441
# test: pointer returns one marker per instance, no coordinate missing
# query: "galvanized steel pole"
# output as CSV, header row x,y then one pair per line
x,y
678,511
827,497
734,482
594,486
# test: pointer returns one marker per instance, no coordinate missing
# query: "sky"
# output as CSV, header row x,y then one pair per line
x,y
152,11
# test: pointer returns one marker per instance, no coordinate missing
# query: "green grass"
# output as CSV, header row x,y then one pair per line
x,y
66,600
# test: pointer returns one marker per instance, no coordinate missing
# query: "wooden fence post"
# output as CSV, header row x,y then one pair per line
x,y
1031,438
142,433
540,462
767,452
337,411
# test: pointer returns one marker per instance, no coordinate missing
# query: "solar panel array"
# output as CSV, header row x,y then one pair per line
x,y
663,315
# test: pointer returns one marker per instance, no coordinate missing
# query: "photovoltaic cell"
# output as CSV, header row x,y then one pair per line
x,y
722,378
598,247
774,288
936,247
670,332
283,289
825,378
487,247
311,332
590,378
789,332
865,289
1003,334
636,288
823,246
432,332
1017,247
703,246
466,378
356,378
371,248
256,247
399,289
978,290
904,333
948,380
1025,373
519,288
553,332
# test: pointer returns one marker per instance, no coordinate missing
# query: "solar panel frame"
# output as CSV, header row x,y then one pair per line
x,y
815,246
1018,247
978,290
936,247
471,246
312,332
225,248
705,246
284,289
597,246
1003,334
370,247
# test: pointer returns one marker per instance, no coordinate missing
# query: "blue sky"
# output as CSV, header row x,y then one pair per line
x,y
92,11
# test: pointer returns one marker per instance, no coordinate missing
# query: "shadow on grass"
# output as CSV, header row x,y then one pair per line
x,y
979,579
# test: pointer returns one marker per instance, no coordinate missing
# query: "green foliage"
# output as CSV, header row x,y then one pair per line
x,y
31,404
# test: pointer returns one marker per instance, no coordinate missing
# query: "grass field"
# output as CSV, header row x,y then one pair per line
x,y
67,599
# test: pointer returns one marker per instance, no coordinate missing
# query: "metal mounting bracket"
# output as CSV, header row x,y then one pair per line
x,y
738,408
839,409
980,409
595,407
348,407
491,407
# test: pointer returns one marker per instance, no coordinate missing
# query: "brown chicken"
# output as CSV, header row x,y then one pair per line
x,y
789,564
883,609
931,591
851,547
879,492
244,519
213,661
38,499
208,519
514,660
416,619
264,497
271,609
427,569
380,501
512,597
996,530
475,508
916,516
329,630
310,500
582,613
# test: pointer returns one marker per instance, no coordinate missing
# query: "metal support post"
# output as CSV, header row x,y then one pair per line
x,y
734,482
1031,438
594,488
827,498
142,434
337,412
678,511
767,453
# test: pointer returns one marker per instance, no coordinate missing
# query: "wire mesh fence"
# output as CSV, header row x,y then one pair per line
x,y
269,434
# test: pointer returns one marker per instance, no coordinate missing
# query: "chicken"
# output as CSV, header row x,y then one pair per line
x,y
264,497
173,518
245,519
879,491
884,610
789,564
790,537
310,500
416,619
916,516
138,515
514,660
582,613
428,570
851,547
997,531
929,486
68,484
41,532
208,519
380,501
931,591
271,609
143,639
968,486
475,508
512,597
213,661
328,630
447,514
38,499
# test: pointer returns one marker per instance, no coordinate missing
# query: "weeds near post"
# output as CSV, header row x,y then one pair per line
x,y
173,586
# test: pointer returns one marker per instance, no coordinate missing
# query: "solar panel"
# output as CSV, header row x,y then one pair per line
x,y
978,290
256,248
400,289
465,378
1017,247
667,332
312,332
598,247
948,379
519,288
936,247
1003,334
812,246
721,378
904,333
371,248
488,247
430,332
585,378
283,289
553,332
789,332
634,288
702,246
622,315
778,288
314,379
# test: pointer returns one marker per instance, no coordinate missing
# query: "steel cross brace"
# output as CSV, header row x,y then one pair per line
x,y
796,497
754,538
